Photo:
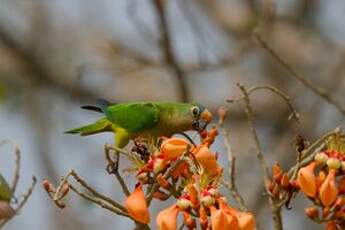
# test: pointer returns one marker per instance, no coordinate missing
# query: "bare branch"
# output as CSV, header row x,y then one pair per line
x,y
16,173
276,210
317,90
273,89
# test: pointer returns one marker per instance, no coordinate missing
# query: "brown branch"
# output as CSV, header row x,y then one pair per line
x,y
317,90
167,46
275,90
113,166
16,172
231,185
275,210
99,202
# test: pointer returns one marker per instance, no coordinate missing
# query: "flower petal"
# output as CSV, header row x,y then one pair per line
x,y
167,218
306,179
137,207
329,190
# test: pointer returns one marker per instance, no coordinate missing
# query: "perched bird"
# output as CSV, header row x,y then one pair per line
x,y
145,119
5,191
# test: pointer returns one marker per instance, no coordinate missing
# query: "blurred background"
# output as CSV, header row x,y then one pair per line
x,y
58,55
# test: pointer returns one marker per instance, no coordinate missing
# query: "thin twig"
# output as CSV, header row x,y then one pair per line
x,y
276,210
231,186
317,90
16,173
114,164
95,193
98,201
275,90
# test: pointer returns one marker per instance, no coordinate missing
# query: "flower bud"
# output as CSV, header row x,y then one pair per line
x,y
189,221
158,165
306,179
333,163
167,218
213,191
222,114
143,177
312,212
284,182
183,203
246,221
162,181
340,202
159,195
136,206
174,147
48,186
321,157
325,211
64,190
328,190
277,172
207,200
331,225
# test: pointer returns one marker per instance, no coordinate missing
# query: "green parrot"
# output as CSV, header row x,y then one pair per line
x,y
5,191
145,119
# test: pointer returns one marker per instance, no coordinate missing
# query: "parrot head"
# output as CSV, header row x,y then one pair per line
x,y
201,117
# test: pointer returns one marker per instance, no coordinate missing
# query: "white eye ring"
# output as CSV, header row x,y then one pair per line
x,y
195,111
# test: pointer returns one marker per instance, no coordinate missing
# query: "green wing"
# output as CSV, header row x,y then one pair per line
x,y
5,191
133,117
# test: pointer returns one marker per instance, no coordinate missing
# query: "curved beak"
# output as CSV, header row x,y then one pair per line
x,y
204,119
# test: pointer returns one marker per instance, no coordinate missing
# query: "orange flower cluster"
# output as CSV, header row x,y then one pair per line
x,y
191,175
323,182
281,184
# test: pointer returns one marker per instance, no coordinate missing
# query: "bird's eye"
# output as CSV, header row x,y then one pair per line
x,y
195,111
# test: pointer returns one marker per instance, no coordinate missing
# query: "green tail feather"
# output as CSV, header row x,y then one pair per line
x,y
99,126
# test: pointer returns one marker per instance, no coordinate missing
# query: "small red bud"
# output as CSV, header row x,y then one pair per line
x,y
48,186
312,212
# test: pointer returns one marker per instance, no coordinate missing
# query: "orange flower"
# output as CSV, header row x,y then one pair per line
x,y
173,147
277,172
220,219
203,217
180,170
189,221
211,135
167,218
193,195
306,179
137,207
246,221
329,190
207,159
331,225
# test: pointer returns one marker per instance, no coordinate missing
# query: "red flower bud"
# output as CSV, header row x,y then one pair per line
x,y
312,212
